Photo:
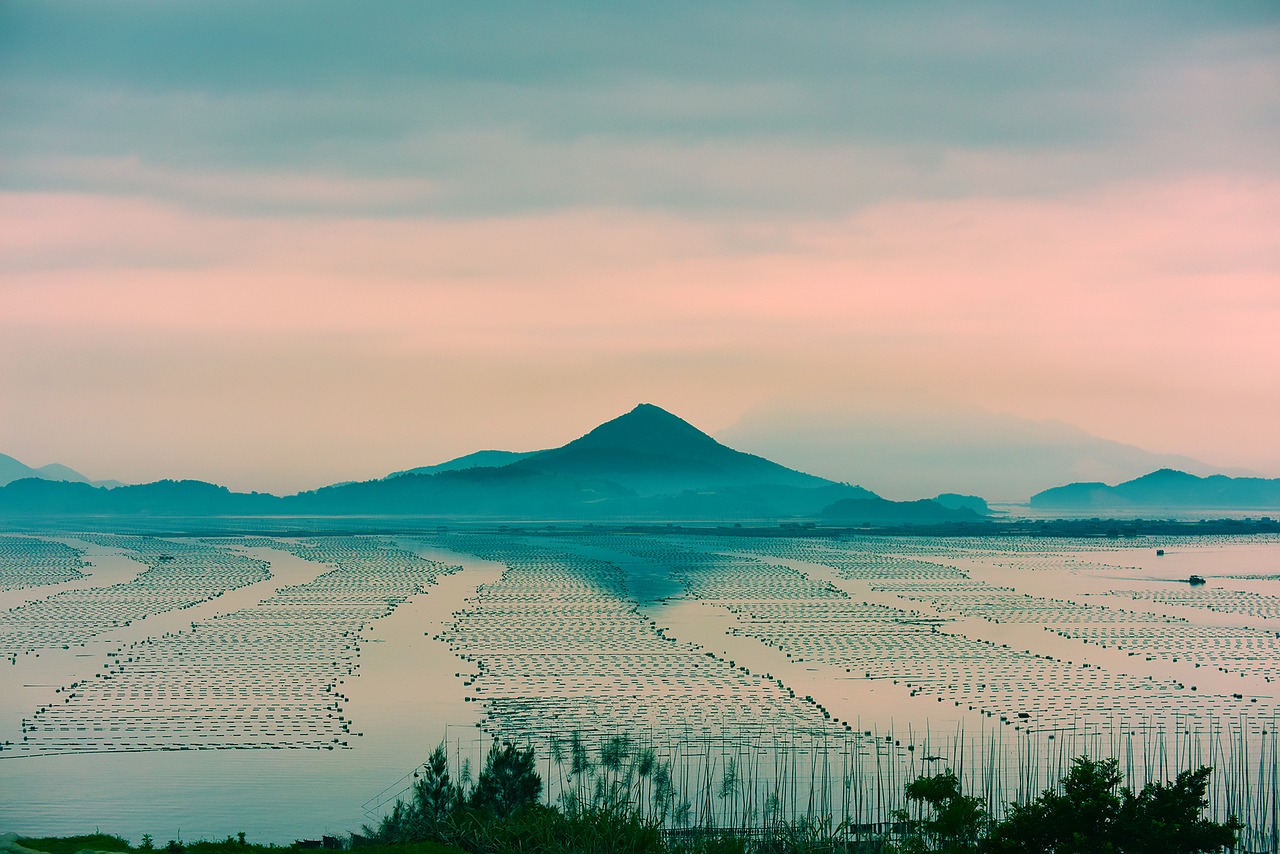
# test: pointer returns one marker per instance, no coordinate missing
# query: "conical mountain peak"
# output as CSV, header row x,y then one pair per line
x,y
651,451
647,429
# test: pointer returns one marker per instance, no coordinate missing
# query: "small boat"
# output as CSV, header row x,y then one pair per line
x,y
1195,580
1159,552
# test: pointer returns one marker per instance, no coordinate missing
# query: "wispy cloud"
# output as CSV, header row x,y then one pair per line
x,y
306,209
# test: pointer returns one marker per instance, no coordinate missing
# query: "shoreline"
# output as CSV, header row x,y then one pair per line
x,y
1095,527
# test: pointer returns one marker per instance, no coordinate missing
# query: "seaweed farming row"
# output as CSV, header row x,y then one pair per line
x,y
754,679
1018,718
559,648
266,676
179,575
30,562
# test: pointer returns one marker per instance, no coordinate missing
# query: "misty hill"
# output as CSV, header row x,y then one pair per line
x,y
969,502
474,460
33,496
879,511
1166,488
907,448
484,491
11,470
647,463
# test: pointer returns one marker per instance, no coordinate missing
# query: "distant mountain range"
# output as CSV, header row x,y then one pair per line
x,y
1165,489
34,497
647,465
475,460
11,470
923,447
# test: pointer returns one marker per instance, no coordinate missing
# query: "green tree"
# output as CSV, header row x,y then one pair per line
x,y
1092,815
1079,819
956,822
435,795
508,782
1168,818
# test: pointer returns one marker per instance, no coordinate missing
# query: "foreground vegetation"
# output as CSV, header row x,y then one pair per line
x,y
623,801
1090,812
230,845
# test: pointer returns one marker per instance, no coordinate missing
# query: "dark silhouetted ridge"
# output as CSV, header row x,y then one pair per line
x,y
33,496
649,429
880,511
646,464
653,452
474,460
1165,488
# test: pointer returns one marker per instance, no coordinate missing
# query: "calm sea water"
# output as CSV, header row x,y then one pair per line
x,y
226,708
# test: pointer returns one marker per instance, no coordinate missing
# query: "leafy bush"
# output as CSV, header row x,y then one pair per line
x,y
508,782
1089,816
1089,813
457,813
72,844
956,823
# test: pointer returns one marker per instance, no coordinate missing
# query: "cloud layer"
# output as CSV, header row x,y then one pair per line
x,y
277,246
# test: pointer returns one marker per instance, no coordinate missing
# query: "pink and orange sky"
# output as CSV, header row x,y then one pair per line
x,y
280,245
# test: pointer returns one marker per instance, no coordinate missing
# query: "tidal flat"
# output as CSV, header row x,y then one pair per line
x,y
288,686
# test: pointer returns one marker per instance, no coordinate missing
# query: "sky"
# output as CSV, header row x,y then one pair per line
x,y
277,245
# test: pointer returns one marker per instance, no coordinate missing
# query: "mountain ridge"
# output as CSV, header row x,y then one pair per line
x,y
1165,488
645,464
476,459
12,469
648,449
912,447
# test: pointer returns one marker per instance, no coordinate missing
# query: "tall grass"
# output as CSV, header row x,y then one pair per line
x,y
849,785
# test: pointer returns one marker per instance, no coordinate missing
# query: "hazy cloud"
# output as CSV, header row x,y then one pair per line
x,y
394,222
501,107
